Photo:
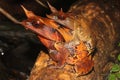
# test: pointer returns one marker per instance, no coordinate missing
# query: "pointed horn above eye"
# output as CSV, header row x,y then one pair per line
x,y
28,13
53,10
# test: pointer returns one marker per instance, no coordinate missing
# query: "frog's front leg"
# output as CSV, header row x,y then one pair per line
x,y
59,55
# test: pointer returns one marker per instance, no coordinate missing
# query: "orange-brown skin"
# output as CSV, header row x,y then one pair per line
x,y
58,36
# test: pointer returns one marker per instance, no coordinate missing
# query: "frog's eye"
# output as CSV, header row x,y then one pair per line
x,y
35,23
